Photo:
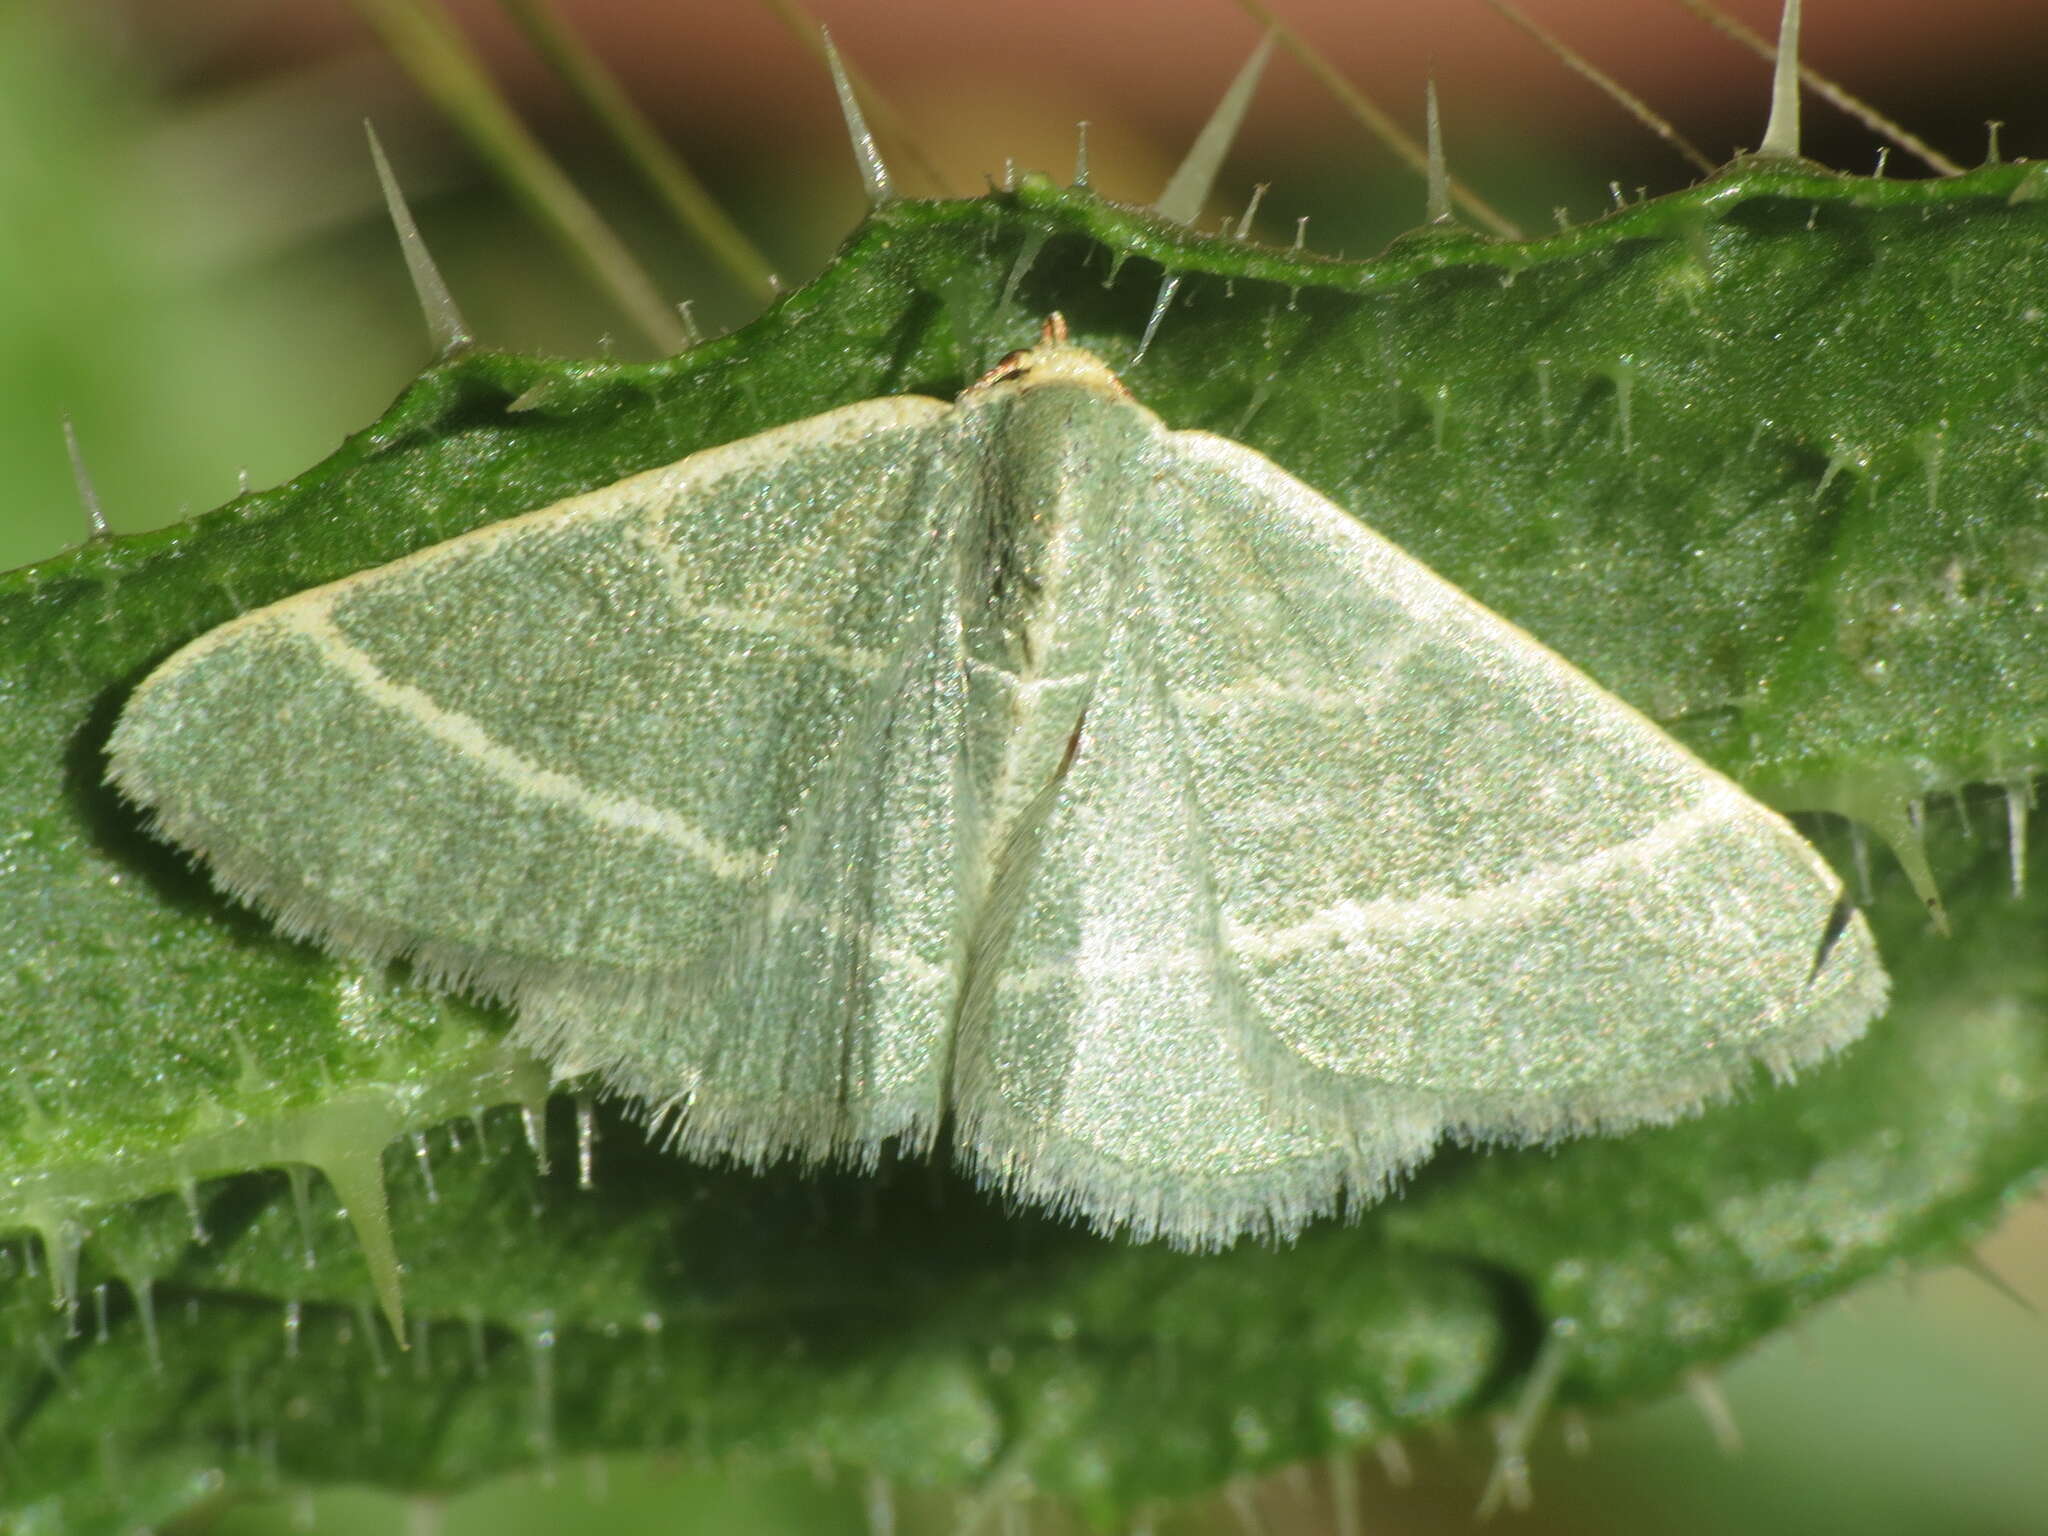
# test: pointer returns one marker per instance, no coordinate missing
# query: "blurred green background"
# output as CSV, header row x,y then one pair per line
x,y
195,267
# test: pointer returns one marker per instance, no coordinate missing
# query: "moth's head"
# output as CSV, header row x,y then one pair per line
x,y
1055,360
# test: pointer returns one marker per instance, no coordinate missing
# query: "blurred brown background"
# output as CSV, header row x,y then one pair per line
x,y
195,266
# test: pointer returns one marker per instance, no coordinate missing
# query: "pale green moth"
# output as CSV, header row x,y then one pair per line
x,y
1018,771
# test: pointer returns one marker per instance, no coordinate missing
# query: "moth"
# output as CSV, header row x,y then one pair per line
x,y
1019,775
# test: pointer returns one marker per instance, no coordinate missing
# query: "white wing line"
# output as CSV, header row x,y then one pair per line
x,y
460,733
1027,684
1352,920
1266,690
791,629
1349,921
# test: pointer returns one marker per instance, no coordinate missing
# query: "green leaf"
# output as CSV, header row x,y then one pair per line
x,y
1764,456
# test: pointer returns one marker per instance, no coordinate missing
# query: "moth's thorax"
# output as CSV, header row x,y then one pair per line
x,y
1044,557
1043,552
